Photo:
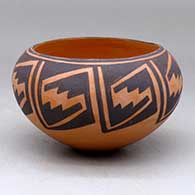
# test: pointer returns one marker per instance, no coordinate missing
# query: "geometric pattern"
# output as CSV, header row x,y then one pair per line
x,y
66,95
21,80
171,83
121,108
62,107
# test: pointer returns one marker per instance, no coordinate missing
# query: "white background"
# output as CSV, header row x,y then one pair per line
x,y
33,163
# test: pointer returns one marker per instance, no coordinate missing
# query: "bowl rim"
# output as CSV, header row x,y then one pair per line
x,y
31,51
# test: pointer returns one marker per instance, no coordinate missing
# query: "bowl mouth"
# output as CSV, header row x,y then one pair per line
x,y
95,49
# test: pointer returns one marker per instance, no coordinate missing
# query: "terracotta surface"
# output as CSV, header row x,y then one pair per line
x,y
97,93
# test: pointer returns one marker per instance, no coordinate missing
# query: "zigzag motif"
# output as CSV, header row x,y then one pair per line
x,y
19,88
56,99
124,97
175,85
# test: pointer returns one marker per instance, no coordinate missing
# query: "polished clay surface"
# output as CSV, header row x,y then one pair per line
x,y
97,93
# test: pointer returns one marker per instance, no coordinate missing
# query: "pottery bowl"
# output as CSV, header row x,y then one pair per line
x,y
97,93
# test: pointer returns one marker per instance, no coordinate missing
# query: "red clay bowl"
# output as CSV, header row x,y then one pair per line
x,y
97,93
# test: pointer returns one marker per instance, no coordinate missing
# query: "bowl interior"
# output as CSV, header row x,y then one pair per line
x,y
95,48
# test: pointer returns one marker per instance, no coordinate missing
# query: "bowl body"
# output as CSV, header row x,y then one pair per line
x,y
97,104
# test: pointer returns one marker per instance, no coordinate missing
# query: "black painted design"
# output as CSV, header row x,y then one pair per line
x,y
62,96
20,85
172,81
130,85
